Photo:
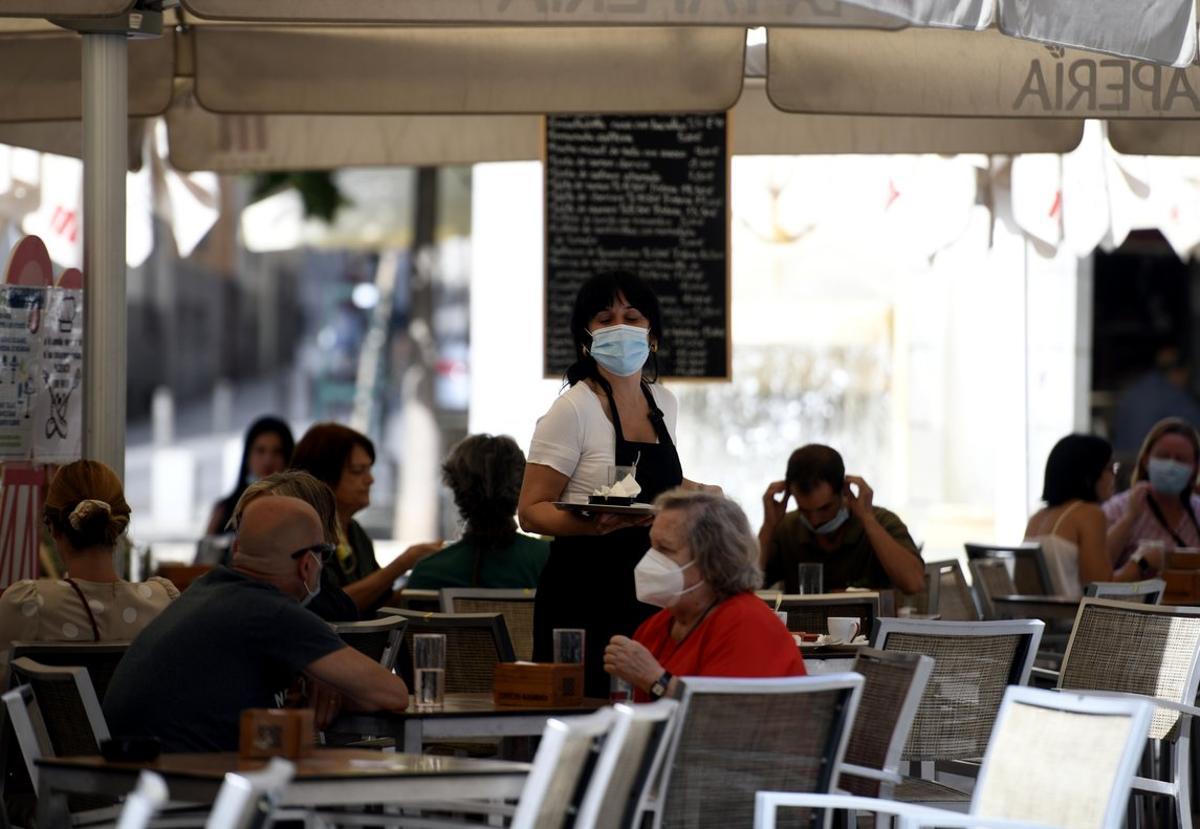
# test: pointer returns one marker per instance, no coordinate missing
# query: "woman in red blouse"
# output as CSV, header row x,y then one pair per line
x,y
702,569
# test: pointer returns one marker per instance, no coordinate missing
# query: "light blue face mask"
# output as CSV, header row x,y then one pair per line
x,y
830,526
1169,477
622,349
312,594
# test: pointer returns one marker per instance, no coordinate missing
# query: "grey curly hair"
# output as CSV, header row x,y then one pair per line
x,y
719,538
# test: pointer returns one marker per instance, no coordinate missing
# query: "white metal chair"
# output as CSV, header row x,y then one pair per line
x,y
560,767
623,767
973,663
734,737
1149,591
247,800
1053,760
144,802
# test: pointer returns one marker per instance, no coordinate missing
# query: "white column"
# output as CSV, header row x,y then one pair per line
x,y
105,115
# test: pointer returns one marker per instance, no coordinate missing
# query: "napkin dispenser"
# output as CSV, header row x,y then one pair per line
x,y
538,684
276,732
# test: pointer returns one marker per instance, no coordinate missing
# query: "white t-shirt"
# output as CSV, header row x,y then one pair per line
x,y
577,439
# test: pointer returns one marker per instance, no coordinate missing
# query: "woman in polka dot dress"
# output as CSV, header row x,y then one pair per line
x,y
86,513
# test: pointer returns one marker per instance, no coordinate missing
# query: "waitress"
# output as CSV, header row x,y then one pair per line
x,y
612,414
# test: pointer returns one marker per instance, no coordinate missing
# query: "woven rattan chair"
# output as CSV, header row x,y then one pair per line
x,y
973,663
71,710
623,768
734,737
1149,652
1149,591
809,613
1026,564
475,642
1053,760
100,659
378,639
516,606
428,601
892,691
949,595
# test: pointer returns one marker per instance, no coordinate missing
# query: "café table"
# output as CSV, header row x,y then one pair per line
x,y
328,777
462,716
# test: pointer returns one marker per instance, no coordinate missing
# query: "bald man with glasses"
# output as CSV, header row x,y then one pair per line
x,y
239,637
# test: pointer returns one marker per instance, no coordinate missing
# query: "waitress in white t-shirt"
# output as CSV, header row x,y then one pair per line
x,y
612,414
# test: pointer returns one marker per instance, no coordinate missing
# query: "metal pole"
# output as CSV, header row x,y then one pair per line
x,y
105,149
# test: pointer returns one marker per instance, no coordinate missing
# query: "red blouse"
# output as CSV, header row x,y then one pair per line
x,y
740,637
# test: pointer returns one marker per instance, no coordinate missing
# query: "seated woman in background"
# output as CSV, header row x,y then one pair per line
x,y
342,458
86,513
703,571
1071,527
1161,505
267,450
485,474
330,602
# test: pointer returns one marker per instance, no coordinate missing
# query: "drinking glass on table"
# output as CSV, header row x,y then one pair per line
x,y
812,578
568,645
429,670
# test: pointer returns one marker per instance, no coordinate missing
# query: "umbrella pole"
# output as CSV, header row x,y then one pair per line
x,y
105,149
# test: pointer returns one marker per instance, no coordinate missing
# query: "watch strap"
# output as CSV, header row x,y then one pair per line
x,y
660,686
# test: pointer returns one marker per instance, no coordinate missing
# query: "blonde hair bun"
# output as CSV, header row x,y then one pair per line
x,y
86,511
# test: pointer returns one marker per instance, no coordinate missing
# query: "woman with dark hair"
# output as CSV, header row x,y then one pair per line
x,y
266,450
613,414
1159,510
1080,474
342,458
484,473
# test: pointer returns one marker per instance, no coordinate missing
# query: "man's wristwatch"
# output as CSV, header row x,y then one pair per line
x,y
659,688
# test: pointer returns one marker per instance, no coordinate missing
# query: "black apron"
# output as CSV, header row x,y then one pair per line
x,y
588,580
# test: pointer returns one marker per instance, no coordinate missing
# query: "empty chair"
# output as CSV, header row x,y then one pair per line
x,y
810,613
247,799
894,683
99,658
949,594
475,642
561,767
973,663
428,601
622,770
1149,652
1026,564
734,737
1149,591
516,606
73,720
1052,760
377,638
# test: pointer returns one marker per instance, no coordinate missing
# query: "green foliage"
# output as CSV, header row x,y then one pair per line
x,y
318,191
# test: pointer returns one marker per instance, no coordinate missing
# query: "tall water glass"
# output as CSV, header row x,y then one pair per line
x,y
429,670
568,645
812,578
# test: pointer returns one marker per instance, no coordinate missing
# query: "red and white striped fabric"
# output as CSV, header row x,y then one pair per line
x,y
21,487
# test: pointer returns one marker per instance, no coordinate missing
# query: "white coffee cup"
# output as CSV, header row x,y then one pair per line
x,y
843,629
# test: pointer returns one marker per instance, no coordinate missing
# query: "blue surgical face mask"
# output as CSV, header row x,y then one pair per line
x,y
830,526
1169,477
312,594
622,349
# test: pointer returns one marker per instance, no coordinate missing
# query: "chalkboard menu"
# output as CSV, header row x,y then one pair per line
x,y
646,194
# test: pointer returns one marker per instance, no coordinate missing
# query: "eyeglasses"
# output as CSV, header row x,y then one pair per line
x,y
323,551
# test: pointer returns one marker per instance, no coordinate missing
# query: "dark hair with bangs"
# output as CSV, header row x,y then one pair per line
x,y
1074,468
596,294
325,450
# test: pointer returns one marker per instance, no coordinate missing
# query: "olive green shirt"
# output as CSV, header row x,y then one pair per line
x,y
852,563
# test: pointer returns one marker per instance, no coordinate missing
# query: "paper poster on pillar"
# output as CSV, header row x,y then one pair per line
x,y
58,405
20,321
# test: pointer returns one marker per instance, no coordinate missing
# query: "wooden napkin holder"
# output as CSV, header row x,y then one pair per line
x,y
276,732
538,684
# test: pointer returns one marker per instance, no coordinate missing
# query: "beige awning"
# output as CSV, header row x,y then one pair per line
x,y
1155,137
66,138
972,74
541,12
41,73
452,70
64,8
